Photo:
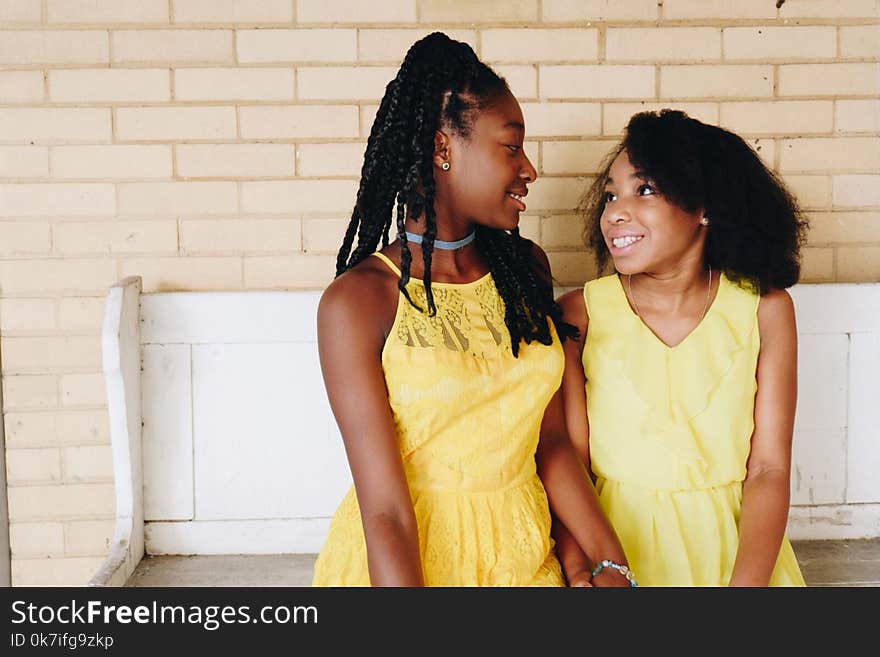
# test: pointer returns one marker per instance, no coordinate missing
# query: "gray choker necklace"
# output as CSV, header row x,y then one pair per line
x,y
441,244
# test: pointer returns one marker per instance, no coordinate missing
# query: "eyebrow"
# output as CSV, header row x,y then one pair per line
x,y
515,124
640,175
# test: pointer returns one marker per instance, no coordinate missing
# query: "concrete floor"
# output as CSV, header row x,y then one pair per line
x,y
824,563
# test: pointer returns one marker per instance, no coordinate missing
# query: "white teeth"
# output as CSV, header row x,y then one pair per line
x,y
621,242
516,196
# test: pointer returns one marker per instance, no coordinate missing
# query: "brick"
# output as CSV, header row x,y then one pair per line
x,y
562,230
90,464
522,80
599,81
33,355
829,79
321,160
233,84
232,11
843,227
289,272
477,11
324,235
46,276
555,194
778,117
860,41
174,123
562,119
575,156
20,11
31,539
811,191
18,238
617,115
530,228
715,80
37,199
33,466
81,313
173,274
111,237
259,46
299,121
717,9
173,46
173,199
340,83
54,47
764,149
298,196
234,160
663,44
367,118
830,9
572,267
109,85
856,190
599,10
27,315
817,265
107,11
783,43
88,537
111,162
67,571
830,154
43,124
857,116
392,45
24,162
858,264
540,45
245,236
21,87
356,11
29,392
54,428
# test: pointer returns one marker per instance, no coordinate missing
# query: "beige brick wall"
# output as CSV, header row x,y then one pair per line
x,y
216,144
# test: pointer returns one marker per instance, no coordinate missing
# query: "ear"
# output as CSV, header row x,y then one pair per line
x,y
442,150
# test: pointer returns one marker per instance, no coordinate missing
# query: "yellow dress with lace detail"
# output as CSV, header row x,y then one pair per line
x,y
468,416
670,432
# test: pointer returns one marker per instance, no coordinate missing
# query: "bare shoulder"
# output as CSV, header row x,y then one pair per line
x,y
365,297
776,313
574,310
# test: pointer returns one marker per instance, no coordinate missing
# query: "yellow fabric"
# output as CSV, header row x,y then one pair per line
x,y
670,429
468,416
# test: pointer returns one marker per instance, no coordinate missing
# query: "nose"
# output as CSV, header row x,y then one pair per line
x,y
618,214
527,172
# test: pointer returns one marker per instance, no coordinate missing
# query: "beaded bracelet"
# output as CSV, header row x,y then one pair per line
x,y
623,570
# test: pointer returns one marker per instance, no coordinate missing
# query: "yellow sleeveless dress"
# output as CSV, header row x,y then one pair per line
x,y
468,416
670,429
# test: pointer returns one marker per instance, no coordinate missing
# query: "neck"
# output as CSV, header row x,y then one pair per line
x,y
671,291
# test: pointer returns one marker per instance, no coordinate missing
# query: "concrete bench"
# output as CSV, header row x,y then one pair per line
x,y
224,443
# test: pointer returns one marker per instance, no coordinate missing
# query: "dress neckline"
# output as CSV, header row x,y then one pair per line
x,y
394,268
636,317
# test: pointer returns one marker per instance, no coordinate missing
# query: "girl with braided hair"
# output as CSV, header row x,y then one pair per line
x,y
439,361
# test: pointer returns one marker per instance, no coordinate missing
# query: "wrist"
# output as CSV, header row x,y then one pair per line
x,y
610,571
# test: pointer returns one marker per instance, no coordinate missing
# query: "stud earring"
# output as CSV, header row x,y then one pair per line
x,y
704,221
445,166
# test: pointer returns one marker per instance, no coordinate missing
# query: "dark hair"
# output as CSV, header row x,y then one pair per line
x,y
756,227
441,82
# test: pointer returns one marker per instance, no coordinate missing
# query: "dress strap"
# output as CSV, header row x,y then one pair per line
x,y
384,258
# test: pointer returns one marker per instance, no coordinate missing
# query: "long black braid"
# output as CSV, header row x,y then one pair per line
x,y
441,81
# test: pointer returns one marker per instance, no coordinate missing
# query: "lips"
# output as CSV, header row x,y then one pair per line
x,y
518,197
623,242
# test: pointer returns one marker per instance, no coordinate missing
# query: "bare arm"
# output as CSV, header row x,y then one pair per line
x,y
350,342
766,489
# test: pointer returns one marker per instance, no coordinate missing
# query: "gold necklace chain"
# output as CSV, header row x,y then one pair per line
x,y
636,306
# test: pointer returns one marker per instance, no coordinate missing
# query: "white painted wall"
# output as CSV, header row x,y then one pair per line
x,y
241,453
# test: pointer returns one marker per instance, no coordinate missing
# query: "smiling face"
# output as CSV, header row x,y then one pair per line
x,y
489,171
644,232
